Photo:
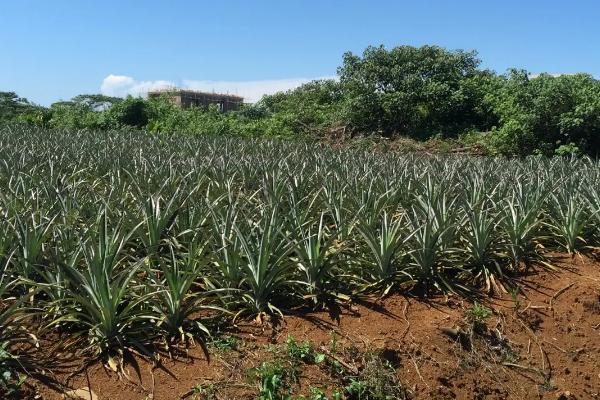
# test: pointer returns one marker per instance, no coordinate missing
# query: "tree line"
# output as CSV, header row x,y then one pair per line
x,y
421,93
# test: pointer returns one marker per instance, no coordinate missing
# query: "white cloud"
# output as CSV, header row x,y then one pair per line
x,y
121,85
252,91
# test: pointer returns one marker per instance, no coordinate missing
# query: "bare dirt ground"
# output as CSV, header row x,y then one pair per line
x,y
543,343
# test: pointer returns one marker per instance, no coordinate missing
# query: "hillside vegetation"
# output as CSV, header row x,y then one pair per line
x,y
420,93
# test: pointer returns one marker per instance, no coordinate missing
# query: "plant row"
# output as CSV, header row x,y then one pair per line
x,y
117,241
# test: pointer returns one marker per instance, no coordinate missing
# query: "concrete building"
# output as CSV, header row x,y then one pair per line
x,y
192,98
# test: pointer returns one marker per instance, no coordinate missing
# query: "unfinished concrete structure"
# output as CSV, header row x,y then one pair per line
x,y
192,98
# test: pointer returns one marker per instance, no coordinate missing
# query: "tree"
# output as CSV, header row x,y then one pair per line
x,y
11,106
96,102
131,111
73,115
310,108
411,91
540,114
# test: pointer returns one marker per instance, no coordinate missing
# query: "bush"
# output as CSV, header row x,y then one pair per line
x,y
541,114
411,91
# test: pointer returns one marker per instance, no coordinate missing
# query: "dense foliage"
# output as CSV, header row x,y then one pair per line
x,y
117,239
410,92
414,92
12,106
546,113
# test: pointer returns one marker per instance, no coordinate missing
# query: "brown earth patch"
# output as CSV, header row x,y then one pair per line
x,y
543,343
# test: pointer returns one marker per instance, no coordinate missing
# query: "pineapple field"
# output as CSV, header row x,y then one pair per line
x,y
127,251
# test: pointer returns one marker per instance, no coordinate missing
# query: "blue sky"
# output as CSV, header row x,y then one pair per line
x,y
51,50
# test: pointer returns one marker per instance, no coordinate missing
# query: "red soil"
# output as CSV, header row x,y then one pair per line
x,y
548,347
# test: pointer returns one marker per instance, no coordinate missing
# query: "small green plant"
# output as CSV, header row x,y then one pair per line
x,y
272,348
225,343
272,379
514,294
377,380
356,389
317,394
335,368
479,313
208,392
333,342
337,396
299,352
